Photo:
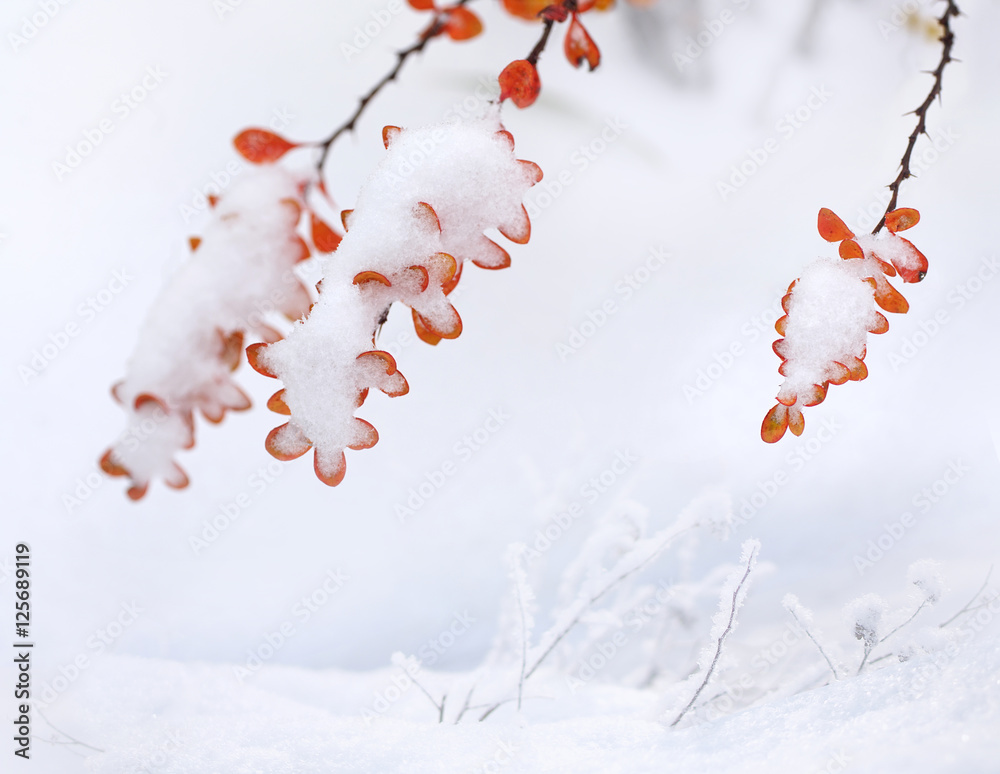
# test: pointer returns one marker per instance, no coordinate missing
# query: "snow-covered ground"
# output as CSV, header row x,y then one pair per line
x,y
264,643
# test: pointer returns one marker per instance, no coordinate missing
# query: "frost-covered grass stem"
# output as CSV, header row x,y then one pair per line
x,y
751,558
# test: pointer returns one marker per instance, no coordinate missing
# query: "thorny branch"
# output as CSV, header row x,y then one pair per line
x,y
435,29
947,40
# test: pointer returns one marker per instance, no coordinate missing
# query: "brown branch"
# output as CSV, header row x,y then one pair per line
x,y
437,26
947,40
550,15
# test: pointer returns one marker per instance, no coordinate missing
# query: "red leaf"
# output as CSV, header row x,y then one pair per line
x,y
579,46
325,238
462,24
261,146
520,82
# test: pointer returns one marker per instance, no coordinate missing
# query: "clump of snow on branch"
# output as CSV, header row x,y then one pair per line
x,y
240,272
419,218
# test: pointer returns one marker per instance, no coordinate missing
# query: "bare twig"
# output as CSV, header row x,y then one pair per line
x,y
968,605
815,642
439,706
435,29
915,614
63,733
585,604
524,642
722,637
947,40
465,705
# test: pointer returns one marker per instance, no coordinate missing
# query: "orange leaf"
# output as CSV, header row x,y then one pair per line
x,y
520,82
832,228
902,219
194,242
422,5
389,133
796,422
325,238
330,469
276,403
286,443
371,276
890,299
526,9
850,249
579,46
253,358
462,24
261,146
775,424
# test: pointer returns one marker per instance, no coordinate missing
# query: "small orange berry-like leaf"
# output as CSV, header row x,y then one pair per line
x,y
424,333
832,228
194,242
330,468
520,83
912,266
814,395
840,373
260,146
422,5
253,358
507,137
890,299
580,47
364,277
780,324
111,466
212,200
390,133
532,170
365,435
498,257
881,324
857,367
345,219
383,373
462,24
137,491
427,217
850,249
775,424
452,283
232,348
526,9
519,230
177,478
796,422
902,219
276,403
325,238
145,399
286,442
423,279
